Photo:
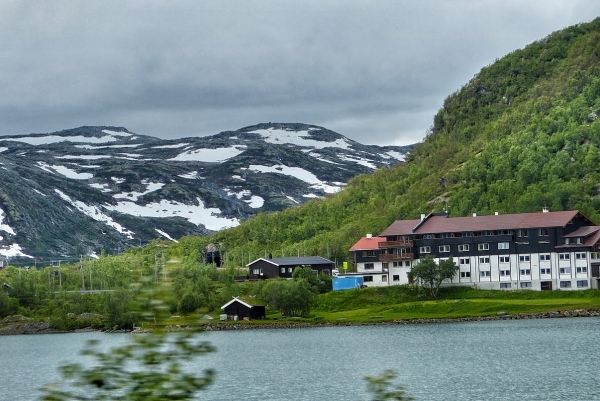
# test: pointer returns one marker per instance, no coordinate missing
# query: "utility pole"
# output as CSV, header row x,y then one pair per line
x,y
159,261
82,273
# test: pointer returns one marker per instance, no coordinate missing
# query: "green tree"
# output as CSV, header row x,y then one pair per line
x,y
431,274
381,387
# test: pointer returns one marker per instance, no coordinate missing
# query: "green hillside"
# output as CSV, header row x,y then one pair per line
x,y
522,134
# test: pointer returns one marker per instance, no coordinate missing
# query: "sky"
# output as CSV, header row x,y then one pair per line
x,y
374,71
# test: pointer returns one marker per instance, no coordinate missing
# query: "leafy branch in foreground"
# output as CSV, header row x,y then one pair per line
x,y
148,368
381,387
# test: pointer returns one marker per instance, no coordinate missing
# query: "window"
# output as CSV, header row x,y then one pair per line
x,y
582,269
582,283
428,236
463,261
567,241
368,279
425,249
564,256
384,279
525,272
543,232
484,259
524,258
545,257
504,285
463,248
594,255
368,254
522,233
256,271
484,273
565,284
396,277
544,271
503,245
578,240
396,264
505,273
407,263
565,270
525,284
283,270
504,259
580,255
290,269
483,247
369,266
444,248
465,274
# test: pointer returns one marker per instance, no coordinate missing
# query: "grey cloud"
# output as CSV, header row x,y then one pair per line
x,y
373,71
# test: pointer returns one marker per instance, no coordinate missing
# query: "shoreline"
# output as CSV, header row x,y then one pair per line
x,y
24,326
499,316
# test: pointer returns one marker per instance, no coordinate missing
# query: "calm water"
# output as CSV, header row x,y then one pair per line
x,y
549,359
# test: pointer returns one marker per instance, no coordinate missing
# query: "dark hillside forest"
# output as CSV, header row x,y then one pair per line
x,y
521,135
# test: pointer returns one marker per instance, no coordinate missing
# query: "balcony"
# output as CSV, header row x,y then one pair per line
x,y
395,256
395,244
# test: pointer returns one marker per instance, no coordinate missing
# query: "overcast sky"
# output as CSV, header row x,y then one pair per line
x,y
374,71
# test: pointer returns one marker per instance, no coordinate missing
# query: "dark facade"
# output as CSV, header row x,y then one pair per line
x,y
284,267
241,309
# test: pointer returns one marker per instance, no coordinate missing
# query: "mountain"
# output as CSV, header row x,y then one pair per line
x,y
522,134
83,190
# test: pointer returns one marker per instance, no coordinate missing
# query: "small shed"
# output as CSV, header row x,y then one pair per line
x,y
243,309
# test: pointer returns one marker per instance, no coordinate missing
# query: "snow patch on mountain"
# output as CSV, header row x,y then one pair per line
x,y
164,234
3,149
133,196
65,171
210,155
299,138
5,227
296,172
95,213
196,214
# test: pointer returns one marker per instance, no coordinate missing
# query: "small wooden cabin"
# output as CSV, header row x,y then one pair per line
x,y
284,267
242,309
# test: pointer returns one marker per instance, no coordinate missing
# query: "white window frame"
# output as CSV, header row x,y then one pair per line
x,y
545,257
463,247
465,274
444,248
484,273
503,245
525,272
504,259
484,260
504,273
464,261
564,256
524,258
581,269
425,249
565,284
483,247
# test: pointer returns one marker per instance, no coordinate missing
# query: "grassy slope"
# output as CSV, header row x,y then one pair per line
x,y
519,136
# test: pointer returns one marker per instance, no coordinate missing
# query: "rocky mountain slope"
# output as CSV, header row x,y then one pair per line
x,y
80,191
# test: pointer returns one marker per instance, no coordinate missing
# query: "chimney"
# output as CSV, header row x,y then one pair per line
x,y
545,209
369,235
422,216
474,214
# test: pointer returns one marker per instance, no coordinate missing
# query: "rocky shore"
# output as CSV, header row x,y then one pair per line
x,y
499,316
22,325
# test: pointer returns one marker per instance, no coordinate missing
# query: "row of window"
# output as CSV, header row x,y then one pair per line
x,y
542,232
501,246
526,272
562,284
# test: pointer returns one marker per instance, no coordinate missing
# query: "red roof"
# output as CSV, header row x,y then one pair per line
x,y
367,243
442,224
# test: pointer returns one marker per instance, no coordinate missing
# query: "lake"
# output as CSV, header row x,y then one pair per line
x,y
542,359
